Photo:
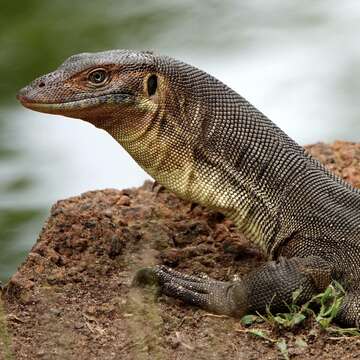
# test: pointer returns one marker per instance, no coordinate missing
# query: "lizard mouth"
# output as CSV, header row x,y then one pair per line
x,y
75,105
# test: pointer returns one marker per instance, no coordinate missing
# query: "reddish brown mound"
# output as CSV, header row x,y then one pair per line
x,y
72,298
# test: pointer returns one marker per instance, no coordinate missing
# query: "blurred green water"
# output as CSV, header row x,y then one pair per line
x,y
281,55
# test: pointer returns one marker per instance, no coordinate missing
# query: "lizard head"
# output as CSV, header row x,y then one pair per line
x,y
143,100
99,88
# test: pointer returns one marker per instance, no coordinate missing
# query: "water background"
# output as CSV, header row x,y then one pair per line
x,y
298,62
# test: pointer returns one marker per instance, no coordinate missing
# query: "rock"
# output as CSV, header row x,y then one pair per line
x,y
74,297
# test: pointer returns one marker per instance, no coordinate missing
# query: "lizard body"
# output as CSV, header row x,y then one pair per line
x,y
206,143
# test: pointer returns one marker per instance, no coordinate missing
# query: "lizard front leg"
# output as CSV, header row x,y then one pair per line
x,y
270,285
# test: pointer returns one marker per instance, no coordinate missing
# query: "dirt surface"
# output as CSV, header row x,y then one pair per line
x,y
72,297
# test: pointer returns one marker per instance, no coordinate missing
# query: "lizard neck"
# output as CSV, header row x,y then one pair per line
x,y
243,178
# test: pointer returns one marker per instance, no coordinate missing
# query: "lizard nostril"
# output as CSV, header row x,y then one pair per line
x,y
41,84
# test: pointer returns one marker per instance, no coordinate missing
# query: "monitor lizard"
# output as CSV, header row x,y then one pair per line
x,y
206,143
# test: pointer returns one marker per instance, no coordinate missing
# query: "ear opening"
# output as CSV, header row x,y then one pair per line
x,y
151,84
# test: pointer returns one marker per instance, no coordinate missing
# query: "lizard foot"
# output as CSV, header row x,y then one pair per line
x,y
273,284
212,295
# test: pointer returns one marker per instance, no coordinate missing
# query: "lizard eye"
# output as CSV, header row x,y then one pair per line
x,y
98,76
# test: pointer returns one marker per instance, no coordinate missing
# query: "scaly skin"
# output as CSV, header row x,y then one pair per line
x,y
206,143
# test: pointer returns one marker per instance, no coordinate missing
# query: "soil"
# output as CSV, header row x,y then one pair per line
x,y
72,297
